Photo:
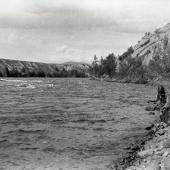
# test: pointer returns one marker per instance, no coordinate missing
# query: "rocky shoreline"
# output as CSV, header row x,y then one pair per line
x,y
152,152
155,154
131,157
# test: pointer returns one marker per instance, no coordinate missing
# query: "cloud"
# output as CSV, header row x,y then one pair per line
x,y
74,29
55,19
70,16
67,53
61,50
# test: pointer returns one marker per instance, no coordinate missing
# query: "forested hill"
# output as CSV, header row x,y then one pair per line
x,y
15,68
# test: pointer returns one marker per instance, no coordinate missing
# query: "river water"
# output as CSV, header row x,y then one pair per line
x,y
69,124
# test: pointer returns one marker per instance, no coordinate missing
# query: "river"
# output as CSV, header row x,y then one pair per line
x,y
69,124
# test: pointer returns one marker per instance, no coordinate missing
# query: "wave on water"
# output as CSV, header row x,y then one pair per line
x,y
12,80
29,86
34,85
36,81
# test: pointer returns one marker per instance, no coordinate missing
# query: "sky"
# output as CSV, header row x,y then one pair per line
x,y
57,31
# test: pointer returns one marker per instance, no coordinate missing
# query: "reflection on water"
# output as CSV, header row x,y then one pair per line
x,y
69,123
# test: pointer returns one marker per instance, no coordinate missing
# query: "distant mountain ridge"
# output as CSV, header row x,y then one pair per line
x,y
16,68
74,63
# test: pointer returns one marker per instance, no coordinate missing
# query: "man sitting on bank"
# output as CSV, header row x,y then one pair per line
x,y
162,103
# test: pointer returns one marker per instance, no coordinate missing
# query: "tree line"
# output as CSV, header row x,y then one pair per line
x,y
104,66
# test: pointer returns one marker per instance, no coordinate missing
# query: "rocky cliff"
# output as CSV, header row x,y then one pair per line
x,y
14,68
148,59
151,43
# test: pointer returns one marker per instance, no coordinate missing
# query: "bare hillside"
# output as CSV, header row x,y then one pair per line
x,y
15,68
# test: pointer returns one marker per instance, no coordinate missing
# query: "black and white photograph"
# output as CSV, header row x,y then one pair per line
x,y
84,84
